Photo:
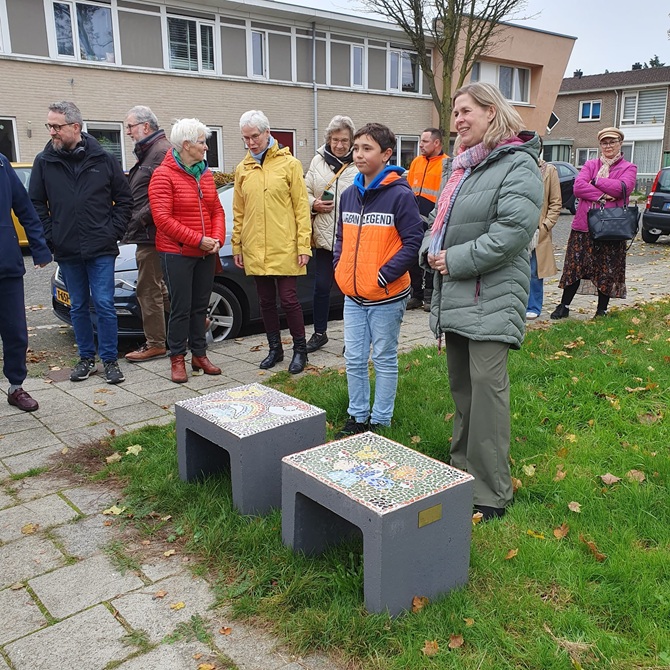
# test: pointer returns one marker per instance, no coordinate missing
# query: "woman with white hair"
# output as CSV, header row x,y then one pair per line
x,y
190,229
331,171
271,233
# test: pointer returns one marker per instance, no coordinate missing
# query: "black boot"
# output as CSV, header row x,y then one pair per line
x,y
276,354
299,359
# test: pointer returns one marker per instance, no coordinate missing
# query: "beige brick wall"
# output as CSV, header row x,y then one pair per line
x,y
105,94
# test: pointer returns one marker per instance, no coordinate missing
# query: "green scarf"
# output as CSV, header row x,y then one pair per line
x,y
194,170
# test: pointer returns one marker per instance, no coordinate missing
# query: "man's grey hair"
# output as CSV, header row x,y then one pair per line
x,y
187,130
69,110
254,118
338,123
143,114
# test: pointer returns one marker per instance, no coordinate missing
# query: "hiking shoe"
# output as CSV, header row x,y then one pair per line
x,y
561,312
414,303
83,370
113,374
601,312
316,342
145,353
352,427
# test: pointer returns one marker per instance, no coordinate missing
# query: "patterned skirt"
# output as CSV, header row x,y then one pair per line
x,y
600,265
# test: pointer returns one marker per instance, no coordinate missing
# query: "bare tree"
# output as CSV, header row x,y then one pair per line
x,y
462,31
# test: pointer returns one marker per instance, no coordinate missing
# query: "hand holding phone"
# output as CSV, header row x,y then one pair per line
x,y
327,196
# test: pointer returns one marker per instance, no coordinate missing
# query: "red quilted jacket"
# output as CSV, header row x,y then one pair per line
x,y
183,210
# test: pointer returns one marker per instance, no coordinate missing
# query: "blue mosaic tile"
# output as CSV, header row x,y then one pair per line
x,y
377,472
250,409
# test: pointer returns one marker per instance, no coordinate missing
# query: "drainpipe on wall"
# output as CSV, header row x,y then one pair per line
x,y
314,89
616,108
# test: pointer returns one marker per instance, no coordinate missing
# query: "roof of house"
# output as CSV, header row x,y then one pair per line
x,y
610,80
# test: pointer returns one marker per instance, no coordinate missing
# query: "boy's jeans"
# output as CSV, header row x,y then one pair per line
x,y
536,295
379,326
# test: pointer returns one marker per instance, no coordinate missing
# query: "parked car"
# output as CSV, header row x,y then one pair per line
x,y
23,170
656,215
233,305
567,174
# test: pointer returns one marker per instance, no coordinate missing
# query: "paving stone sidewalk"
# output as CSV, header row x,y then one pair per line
x,y
65,603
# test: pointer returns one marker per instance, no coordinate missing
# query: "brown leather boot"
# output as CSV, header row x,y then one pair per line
x,y
178,368
202,364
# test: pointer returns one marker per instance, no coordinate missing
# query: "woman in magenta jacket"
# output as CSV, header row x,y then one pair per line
x,y
601,265
190,229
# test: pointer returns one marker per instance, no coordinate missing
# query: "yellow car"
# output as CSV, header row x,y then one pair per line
x,y
23,170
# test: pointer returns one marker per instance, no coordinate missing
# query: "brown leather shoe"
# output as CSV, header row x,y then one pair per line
x,y
145,353
202,364
22,400
178,369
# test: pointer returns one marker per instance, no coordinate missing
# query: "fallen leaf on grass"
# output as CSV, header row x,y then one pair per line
x,y
476,518
562,452
112,431
418,603
537,536
635,476
600,557
415,439
571,437
64,450
178,606
469,622
575,650
511,554
609,478
648,419
114,458
516,484
134,449
455,641
225,630
30,528
169,553
430,648
575,507
449,417
206,666
529,470
561,531
560,473
114,509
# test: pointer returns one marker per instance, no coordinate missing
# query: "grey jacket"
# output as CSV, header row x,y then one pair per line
x,y
493,219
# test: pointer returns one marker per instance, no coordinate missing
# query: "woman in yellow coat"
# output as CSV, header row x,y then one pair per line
x,y
271,233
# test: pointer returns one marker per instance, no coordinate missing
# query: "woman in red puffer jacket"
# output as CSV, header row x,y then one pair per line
x,y
190,230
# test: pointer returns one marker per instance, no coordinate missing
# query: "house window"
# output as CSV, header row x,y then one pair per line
x,y
475,73
406,150
645,107
404,72
357,55
110,137
258,53
514,83
84,31
584,155
646,155
589,110
191,45
8,139
214,150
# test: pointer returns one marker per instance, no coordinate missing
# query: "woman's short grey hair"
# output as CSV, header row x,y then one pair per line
x,y
187,130
69,110
338,123
254,118
143,114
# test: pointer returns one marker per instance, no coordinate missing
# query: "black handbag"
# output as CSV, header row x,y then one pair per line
x,y
614,224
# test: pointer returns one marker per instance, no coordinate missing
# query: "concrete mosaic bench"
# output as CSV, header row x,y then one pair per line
x,y
245,430
415,515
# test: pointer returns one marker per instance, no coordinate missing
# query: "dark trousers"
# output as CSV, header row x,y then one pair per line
x,y
13,330
416,277
189,281
286,287
323,282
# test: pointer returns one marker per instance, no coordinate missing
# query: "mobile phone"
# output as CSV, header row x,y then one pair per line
x,y
327,196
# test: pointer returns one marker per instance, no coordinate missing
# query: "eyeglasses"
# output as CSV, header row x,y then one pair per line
x,y
343,142
130,126
610,143
252,138
57,126
202,143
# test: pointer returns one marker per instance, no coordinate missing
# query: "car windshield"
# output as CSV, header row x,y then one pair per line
x,y
24,175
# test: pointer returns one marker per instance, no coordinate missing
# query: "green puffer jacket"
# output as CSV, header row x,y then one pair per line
x,y
493,219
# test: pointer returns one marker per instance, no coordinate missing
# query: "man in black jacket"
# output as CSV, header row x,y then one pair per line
x,y
84,201
151,146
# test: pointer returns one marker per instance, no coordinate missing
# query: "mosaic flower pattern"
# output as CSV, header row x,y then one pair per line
x,y
377,472
250,409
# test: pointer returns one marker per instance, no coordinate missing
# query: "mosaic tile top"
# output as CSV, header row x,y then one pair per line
x,y
251,409
377,472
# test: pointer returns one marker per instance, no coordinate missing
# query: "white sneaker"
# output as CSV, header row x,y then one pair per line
x,y
531,316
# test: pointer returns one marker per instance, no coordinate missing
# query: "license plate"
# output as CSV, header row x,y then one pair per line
x,y
62,296
666,206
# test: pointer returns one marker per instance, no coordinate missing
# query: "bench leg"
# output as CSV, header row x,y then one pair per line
x,y
198,457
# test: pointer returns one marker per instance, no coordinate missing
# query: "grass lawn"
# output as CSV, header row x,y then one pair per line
x,y
576,575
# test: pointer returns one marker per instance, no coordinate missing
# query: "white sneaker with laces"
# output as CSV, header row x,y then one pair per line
x,y
531,316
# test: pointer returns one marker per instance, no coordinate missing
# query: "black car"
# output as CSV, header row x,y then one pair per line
x,y
567,173
656,216
233,305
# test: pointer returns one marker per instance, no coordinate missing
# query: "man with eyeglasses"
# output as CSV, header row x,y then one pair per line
x,y
151,145
84,202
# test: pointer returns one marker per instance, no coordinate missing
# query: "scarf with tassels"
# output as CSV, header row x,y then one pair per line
x,y
607,163
462,166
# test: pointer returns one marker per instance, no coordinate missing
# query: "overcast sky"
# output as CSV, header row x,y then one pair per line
x,y
611,34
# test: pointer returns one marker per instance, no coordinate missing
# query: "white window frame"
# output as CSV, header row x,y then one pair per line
x,y
109,125
52,35
5,41
198,30
627,120
582,118
475,72
591,153
15,134
402,54
219,148
363,69
251,66
515,82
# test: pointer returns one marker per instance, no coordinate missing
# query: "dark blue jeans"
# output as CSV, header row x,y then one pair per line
x,y
86,281
13,330
323,282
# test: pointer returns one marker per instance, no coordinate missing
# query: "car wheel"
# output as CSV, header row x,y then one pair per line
x,y
225,313
648,237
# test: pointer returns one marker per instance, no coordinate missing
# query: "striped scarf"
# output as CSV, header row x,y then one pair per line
x,y
607,163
